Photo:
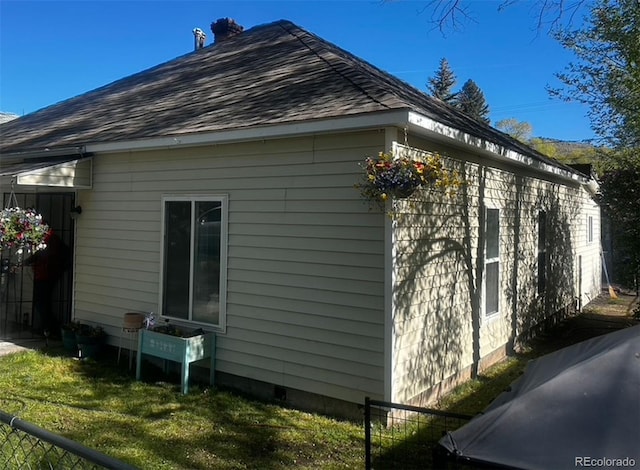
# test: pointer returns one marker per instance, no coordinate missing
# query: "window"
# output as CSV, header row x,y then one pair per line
x,y
590,229
492,261
542,251
194,259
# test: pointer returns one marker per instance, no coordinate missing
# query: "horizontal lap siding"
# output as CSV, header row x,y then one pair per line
x,y
589,251
305,255
432,327
437,290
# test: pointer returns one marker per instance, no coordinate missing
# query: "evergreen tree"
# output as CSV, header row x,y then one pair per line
x,y
441,84
470,100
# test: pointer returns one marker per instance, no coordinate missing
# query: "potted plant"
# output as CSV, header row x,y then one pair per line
x,y
22,228
399,177
90,341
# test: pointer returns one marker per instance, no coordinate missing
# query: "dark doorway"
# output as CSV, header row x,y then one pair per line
x,y
16,278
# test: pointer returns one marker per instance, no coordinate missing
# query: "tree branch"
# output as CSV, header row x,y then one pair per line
x,y
447,14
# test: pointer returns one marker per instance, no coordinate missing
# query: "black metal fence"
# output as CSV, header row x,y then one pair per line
x,y
406,437
26,446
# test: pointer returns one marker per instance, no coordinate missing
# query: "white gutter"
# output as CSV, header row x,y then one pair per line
x,y
400,118
77,150
443,132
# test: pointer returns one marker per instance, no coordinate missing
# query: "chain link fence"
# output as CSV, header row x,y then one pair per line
x,y
24,446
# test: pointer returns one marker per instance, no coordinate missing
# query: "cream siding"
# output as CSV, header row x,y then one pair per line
x,y
73,174
589,263
305,255
439,265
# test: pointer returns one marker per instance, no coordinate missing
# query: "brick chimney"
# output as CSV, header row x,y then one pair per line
x,y
224,28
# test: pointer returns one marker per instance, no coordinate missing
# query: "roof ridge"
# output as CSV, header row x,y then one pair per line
x,y
329,64
411,93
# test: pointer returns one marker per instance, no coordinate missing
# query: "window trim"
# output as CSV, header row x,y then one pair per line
x,y
589,229
224,238
487,261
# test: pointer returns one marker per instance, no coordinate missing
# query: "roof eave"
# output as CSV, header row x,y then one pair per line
x,y
434,129
401,118
291,129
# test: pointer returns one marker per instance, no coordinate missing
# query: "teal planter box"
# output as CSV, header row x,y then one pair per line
x,y
177,349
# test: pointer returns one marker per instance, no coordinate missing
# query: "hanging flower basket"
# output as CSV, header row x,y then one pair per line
x,y
403,192
22,228
399,178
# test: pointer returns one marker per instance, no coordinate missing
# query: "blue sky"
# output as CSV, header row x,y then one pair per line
x,y
54,50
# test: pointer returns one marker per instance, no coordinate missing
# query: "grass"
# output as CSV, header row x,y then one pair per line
x,y
418,436
152,425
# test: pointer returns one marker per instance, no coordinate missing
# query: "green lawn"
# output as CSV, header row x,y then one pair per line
x,y
153,426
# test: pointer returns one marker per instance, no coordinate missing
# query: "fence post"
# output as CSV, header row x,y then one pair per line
x,y
367,433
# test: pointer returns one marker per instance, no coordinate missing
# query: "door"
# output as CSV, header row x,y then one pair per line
x,y
17,278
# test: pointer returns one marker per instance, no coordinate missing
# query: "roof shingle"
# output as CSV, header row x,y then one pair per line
x,y
270,74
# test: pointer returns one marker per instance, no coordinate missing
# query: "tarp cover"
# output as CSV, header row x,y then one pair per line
x,y
576,407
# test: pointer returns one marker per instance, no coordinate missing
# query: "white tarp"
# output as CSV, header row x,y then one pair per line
x,y
578,407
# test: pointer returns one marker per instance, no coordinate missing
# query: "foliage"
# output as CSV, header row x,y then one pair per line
x,y
572,152
620,199
168,329
544,146
440,86
387,176
90,331
22,228
565,152
606,75
471,101
519,130
73,326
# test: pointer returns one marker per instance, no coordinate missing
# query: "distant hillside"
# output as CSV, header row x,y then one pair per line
x,y
568,147
566,152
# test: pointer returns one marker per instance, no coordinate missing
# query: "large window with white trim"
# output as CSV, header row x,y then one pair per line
x,y
492,261
194,259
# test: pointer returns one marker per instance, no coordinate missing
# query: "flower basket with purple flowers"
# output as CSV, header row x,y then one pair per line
x,y
388,177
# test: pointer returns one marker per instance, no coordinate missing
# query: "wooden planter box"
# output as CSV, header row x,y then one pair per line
x,y
182,350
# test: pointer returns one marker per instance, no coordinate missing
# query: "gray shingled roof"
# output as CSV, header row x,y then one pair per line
x,y
270,74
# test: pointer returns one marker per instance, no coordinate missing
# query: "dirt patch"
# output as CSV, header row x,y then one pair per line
x,y
604,305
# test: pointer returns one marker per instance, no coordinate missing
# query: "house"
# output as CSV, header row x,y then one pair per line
x,y
217,189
